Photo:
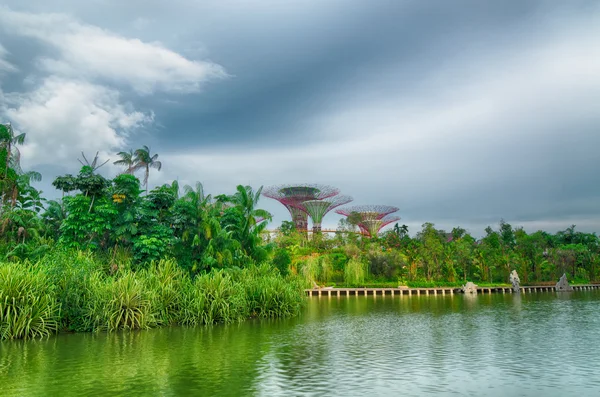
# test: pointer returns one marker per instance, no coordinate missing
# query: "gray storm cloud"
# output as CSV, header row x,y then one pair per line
x,y
459,113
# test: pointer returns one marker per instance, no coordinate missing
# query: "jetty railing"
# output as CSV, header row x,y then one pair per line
x,y
327,291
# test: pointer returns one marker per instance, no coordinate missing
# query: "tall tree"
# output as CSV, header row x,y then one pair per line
x,y
144,160
247,200
94,164
9,142
127,160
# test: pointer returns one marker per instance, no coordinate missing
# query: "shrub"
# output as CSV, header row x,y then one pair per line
x,y
282,261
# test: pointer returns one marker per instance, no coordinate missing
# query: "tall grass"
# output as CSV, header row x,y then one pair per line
x,y
124,304
224,300
28,304
269,295
164,280
96,297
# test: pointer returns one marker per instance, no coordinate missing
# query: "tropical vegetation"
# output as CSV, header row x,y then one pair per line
x,y
114,254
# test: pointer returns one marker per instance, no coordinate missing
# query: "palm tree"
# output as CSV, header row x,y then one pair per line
x,y
9,141
143,160
247,200
207,225
94,164
127,160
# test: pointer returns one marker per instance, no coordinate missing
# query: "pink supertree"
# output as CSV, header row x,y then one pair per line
x,y
370,219
292,197
317,209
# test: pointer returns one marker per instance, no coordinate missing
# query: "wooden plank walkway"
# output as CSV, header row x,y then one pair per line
x,y
434,291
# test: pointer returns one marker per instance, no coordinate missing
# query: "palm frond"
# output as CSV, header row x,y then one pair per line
x,y
19,139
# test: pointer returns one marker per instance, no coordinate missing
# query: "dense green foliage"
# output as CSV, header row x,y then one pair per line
x,y
71,290
436,258
113,254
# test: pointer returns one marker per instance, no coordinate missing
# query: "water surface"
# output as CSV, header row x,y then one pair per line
x,y
492,345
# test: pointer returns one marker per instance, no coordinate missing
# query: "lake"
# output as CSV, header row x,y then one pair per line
x,y
489,345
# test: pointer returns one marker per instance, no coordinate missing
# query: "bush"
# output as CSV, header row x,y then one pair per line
x,y
282,261
71,273
385,264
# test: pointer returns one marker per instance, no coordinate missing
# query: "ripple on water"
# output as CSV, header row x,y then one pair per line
x,y
493,345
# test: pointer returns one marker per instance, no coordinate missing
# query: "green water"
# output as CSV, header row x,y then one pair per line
x,y
490,345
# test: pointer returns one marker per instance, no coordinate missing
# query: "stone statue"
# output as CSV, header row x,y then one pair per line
x,y
469,288
563,284
515,281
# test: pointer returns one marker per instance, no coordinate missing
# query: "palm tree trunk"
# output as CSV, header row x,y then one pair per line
x,y
7,159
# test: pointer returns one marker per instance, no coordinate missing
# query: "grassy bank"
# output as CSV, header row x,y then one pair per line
x,y
76,292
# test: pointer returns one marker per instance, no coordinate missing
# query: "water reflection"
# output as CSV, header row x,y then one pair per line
x,y
493,344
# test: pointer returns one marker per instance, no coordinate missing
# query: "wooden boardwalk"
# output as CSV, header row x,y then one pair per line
x,y
434,291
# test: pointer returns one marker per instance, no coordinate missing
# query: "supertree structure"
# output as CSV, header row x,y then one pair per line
x,y
317,209
292,197
370,218
371,227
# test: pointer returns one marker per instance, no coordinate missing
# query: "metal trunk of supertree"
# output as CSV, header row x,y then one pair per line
x,y
371,218
371,227
317,209
299,217
292,197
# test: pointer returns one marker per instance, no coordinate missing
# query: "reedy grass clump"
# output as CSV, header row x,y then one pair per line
x,y
225,300
123,303
165,281
28,304
97,298
269,295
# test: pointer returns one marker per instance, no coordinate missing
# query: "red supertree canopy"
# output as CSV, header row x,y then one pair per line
x,y
295,195
292,197
368,211
371,218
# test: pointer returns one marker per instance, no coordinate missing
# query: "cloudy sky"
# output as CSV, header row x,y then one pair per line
x,y
457,112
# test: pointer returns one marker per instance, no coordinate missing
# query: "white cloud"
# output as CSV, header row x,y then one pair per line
x,y
64,117
75,104
90,52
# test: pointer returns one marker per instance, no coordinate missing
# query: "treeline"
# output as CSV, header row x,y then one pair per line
x,y
436,257
117,217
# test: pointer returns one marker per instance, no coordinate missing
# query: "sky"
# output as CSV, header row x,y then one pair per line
x,y
459,113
